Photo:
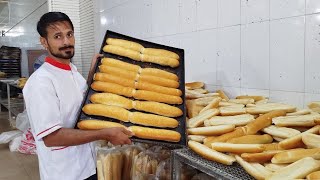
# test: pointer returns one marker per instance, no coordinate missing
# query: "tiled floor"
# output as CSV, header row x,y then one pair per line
x,y
14,165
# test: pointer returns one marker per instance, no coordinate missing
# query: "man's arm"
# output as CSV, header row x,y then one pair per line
x,y
72,137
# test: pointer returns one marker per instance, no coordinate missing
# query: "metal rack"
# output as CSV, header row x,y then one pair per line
x,y
13,105
213,169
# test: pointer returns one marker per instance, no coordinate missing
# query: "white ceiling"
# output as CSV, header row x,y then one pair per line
x,y
13,11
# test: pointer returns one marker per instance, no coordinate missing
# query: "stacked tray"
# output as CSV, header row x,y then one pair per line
x,y
179,71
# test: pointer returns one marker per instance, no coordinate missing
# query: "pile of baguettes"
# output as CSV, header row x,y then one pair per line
x,y
151,93
269,140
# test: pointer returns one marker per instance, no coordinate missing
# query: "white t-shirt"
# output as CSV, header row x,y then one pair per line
x,y
53,96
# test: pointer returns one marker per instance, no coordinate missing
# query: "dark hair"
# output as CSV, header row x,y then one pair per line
x,y
51,18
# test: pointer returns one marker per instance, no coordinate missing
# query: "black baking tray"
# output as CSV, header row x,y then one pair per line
x,y
179,71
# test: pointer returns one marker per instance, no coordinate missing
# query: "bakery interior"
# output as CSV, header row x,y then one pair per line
x,y
237,94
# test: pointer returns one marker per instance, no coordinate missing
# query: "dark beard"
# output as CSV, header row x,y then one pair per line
x,y
67,55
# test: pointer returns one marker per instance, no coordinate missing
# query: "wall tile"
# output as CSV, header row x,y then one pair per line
x,y
207,14
228,12
254,11
286,8
292,98
312,6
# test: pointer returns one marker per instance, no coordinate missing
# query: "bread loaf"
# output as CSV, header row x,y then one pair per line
x,y
107,111
92,124
118,72
300,120
237,148
314,176
252,139
157,97
118,50
198,120
114,79
120,64
281,132
194,85
193,109
256,98
294,155
159,73
159,81
210,154
152,120
156,88
164,61
242,101
197,138
250,169
238,120
112,88
212,130
238,132
300,112
155,134
262,157
314,106
111,100
157,108
213,104
223,95
160,52
125,44
311,140
231,111
268,107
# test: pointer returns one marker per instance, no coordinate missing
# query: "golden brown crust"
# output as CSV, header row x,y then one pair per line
x,y
210,154
294,155
194,85
111,100
156,88
159,81
159,73
259,157
121,51
237,148
314,176
152,120
97,124
212,130
164,61
256,98
120,64
158,108
155,134
125,44
223,95
107,111
252,139
114,79
118,72
160,52
112,88
157,97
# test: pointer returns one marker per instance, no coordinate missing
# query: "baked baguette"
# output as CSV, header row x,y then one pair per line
x,y
160,52
159,73
300,112
296,141
120,64
263,121
223,95
213,104
152,120
268,107
314,176
257,174
210,154
272,146
229,104
113,88
197,138
237,148
300,120
262,157
157,108
158,81
238,132
314,106
156,88
196,95
92,124
252,139
111,100
281,132
114,79
256,98
155,134
231,111
298,169
121,51
193,109
212,130
293,155
119,72
125,44
194,85
164,61
157,97
238,120
274,167
311,140
107,111
198,120
242,101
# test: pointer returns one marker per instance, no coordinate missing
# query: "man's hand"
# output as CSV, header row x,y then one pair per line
x,y
93,62
117,135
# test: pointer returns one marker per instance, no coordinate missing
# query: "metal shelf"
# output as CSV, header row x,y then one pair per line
x,y
214,169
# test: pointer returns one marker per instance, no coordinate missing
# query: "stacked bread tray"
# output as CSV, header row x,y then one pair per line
x,y
145,102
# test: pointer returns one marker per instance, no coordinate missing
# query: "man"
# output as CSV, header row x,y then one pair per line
x,y
53,96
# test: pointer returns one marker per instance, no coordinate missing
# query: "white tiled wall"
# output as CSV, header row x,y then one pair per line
x,y
263,47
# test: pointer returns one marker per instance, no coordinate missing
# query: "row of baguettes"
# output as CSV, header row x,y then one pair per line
x,y
137,52
140,132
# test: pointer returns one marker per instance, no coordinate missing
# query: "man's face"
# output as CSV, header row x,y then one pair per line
x,y
60,40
